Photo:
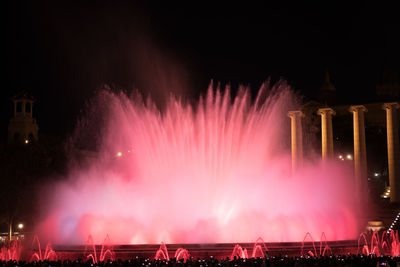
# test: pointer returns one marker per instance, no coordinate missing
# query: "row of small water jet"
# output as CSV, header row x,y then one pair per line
x,y
90,252
106,251
11,250
180,253
322,243
258,250
386,244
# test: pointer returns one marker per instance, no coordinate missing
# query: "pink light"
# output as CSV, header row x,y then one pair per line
x,y
219,171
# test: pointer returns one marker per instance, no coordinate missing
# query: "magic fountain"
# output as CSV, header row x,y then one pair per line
x,y
218,171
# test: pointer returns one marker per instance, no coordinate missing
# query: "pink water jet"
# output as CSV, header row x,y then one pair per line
x,y
259,248
106,251
38,255
323,246
215,171
182,254
239,252
162,253
386,244
10,250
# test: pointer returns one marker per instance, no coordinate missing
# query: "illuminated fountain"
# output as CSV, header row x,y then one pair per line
x,y
106,251
180,254
258,251
10,250
39,255
162,253
323,246
218,171
386,244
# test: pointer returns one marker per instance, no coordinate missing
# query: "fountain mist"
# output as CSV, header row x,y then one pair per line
x,y
216,171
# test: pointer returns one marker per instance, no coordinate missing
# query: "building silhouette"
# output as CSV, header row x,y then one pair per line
x,y
23,128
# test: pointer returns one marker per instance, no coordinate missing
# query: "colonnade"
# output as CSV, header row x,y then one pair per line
x,y
360,153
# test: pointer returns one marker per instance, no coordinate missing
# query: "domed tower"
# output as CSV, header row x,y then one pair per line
x,y
23,128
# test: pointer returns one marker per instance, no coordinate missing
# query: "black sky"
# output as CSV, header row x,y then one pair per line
x,y
63,51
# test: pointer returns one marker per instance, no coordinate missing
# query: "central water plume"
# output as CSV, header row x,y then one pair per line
x,y
216,171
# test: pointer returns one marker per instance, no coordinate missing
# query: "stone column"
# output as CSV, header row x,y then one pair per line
x,y
393,150
360,153
326,132
296,138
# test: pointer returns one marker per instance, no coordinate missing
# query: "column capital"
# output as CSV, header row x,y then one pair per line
x,y
358,108
326,111
295,113
391,105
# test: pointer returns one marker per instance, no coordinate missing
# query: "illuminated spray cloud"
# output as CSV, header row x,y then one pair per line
x,y
215,171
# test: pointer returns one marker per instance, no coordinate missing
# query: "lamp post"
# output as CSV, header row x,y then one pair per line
x,y
10,233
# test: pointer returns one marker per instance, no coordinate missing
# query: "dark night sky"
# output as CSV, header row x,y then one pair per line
x,y
61,51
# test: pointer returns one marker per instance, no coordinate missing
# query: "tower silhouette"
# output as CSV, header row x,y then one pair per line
x,y
23,128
